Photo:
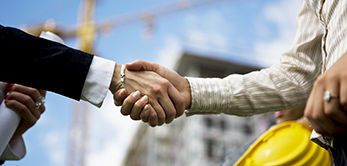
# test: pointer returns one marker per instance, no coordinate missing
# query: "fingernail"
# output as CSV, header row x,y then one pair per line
x,y
6,101
9,89
122,92
144,99
146,109
136,94
5,96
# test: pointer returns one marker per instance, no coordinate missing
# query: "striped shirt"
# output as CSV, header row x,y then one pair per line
x,y
319,42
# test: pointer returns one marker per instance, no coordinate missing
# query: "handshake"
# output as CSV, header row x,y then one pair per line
x,y
150,92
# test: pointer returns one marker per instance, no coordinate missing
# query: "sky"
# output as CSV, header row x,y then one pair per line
x,y
256,32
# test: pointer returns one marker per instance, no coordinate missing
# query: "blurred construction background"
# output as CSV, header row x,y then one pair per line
x,y
207,38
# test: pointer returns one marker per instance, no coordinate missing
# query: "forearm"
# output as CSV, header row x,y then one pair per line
x,y
64,69
282,86
273,89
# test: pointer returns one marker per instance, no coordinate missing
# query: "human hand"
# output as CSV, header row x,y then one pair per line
x,y
132,104
159,92
22,99
329,117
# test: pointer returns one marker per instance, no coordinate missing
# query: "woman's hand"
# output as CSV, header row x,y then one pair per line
x,y
22,99
329,117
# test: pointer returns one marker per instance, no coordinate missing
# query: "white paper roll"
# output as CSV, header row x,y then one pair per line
x,y
9,121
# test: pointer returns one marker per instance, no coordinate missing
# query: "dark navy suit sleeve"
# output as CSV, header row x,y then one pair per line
x,y
42,64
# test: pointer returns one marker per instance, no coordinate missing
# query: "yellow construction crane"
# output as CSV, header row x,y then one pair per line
x,y
86,32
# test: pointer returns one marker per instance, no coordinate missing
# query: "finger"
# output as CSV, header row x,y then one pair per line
x,y
144,115
161,117
314,109
141,65
25,100
32,92
26,114
322,123
177,99
8,87
332,107
153,117
129,102
34,95
169,109
138,106
119,97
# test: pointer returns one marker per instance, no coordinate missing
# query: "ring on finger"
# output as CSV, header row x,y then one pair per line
x,y
327,96
39,102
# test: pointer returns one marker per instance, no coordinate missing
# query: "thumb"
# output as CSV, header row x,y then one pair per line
x,y
139,65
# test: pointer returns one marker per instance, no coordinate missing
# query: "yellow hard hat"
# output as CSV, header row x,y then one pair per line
x,y
285,144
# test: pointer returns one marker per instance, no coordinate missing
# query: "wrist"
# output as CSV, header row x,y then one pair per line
x,y
186,93
116,77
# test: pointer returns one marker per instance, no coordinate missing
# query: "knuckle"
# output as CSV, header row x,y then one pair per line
x,y
27,99
308,114
31,123
35,91
15,87
157,89
170,114
165,82
319,81
315,116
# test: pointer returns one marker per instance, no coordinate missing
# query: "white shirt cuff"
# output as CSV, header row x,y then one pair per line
x,y
98,81
14,151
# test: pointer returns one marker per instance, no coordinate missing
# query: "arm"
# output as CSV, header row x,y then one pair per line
x,y
29,56
70,72
282,86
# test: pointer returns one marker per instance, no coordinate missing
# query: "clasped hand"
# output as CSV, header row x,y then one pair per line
x,y
157,94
